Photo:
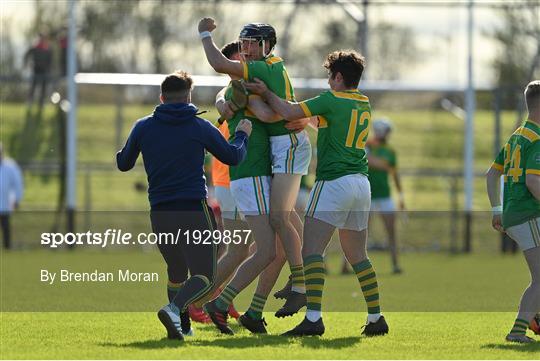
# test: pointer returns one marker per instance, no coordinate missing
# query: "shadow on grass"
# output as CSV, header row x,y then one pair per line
x,y
240,342
146,345
530,347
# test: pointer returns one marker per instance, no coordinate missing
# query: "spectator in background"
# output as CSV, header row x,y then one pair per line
x,y
11,191
41,57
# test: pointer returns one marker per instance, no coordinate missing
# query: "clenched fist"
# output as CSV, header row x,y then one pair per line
x,y
206,24
244,126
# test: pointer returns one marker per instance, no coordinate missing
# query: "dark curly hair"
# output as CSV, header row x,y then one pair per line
x,y
349,63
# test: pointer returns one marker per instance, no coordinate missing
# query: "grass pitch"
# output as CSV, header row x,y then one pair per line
x,y
471,301
413,335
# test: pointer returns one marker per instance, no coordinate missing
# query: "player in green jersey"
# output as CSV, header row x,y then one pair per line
x,y
341,195
519,215
290,154
381,199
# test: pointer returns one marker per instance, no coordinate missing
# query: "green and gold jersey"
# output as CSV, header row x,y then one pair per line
x,y
519,156
378,178
343,130
257,161
273,73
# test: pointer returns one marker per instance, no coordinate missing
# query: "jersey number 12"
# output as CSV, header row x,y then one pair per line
x,y
362,137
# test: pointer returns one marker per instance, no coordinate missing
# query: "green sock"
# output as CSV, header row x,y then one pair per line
x,y
297,279
368,282
314,275
255,310
226,297
520,327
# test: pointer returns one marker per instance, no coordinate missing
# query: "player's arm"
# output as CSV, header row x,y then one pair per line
x,y
378,163
232,153
262,111
215,58
532,172
493,179
222,106
397,182
286,109
126,158
301,124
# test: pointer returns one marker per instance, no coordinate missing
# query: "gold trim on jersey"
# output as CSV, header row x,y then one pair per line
x,y
527,133
288,95
273,60
246,70
531,135
305,108
323,123
533,171
497,166
354,96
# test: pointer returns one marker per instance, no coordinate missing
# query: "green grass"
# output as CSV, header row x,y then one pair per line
x,y
442,307
139,336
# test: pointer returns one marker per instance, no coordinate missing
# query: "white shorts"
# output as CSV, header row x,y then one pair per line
x,y
342,202
291,153
383,205
226,203
527,235
252,195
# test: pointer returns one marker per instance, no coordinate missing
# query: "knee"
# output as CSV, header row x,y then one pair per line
x,y
279,220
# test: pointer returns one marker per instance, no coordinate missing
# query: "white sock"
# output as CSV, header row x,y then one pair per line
x,y
313,316
298,289
373,317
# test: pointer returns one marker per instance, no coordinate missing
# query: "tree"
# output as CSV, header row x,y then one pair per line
x,y
518,39
395,49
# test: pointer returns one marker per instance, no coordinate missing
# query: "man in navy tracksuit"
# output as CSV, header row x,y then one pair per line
x,y
173,141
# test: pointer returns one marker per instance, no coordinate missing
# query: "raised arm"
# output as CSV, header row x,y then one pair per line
x,y
216,59
288,110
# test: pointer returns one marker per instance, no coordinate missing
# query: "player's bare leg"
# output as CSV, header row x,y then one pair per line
x,y
265,240
530,301
317,236
229,262
389,220
298,224
285,189
353,244
252,319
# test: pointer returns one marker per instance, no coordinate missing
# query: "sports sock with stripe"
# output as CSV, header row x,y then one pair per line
x,y
520,327
255,310
297,279
368,282
314,272
226,297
